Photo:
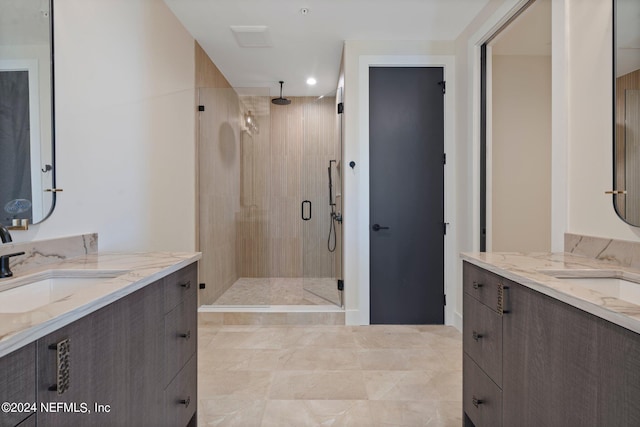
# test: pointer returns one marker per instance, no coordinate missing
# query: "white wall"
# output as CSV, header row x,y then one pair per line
x,y
520,151
124,126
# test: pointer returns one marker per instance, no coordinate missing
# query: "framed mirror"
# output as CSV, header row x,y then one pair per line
x,y
27,155
626,110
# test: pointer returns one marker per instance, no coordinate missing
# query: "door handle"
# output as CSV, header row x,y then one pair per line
x,y
308,203
378,227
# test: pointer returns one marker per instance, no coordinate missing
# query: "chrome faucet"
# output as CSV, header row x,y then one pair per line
x,y
5,235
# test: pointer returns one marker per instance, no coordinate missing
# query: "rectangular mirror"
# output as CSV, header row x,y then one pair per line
x,y
626,84
27,169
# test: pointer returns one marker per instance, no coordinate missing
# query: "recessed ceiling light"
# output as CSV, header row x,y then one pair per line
x,y
311,81
304,11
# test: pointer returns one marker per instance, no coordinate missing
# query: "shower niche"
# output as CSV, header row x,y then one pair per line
x,y
270,223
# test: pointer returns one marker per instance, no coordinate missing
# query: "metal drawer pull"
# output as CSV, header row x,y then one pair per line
x,y
476,401
63,366
477,285
186,336
476,336
186,285
185,402
503,303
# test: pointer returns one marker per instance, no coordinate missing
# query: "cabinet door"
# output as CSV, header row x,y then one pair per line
x,y
481,397
18,382
181,396
114,359
180,337
180,285
29,422
96,358
619,375
550,367
482,285
482,337
145,356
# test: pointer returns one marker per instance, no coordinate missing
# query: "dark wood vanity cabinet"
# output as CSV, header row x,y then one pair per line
x,y
561,366
131,363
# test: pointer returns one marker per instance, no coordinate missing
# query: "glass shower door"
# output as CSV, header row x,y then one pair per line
x,y
322,199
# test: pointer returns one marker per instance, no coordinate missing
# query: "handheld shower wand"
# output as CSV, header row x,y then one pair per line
x,y
334,216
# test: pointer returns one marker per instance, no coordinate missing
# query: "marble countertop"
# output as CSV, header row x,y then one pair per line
x,y
534,271
128,272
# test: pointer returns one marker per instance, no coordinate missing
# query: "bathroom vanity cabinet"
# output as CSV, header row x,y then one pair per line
x,y
132,362
532,360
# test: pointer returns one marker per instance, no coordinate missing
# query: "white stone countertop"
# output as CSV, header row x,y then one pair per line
x,y
533,271
126,273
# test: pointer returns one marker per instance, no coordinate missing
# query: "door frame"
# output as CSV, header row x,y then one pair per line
x,y
35,136
362,316
559,111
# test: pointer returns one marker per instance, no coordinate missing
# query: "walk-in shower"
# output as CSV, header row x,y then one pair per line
x,y
265,212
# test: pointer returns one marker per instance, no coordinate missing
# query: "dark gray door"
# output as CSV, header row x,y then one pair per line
x,y
406,146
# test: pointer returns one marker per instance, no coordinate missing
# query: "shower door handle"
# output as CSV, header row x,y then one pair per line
x,y
306,218
378,227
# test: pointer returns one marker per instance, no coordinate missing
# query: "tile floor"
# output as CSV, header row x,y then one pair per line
x,y
329,376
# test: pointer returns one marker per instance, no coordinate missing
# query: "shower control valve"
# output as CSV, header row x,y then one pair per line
x,y
337,217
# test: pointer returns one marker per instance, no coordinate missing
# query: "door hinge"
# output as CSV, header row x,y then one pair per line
x,y
200,107
340,108
340,285
443,83
445,299
444,227
444,158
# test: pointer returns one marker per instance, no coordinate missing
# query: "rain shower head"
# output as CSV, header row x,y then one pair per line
x,y
281,100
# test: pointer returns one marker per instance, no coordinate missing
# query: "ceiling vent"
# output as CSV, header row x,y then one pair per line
x,y
252,35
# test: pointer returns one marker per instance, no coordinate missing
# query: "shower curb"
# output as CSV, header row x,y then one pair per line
x,y
271,315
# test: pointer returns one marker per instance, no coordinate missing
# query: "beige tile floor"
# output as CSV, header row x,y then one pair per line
x,y
281,291
329,376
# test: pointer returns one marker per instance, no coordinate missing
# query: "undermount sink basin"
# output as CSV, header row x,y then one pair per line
x,y
49,289
610,284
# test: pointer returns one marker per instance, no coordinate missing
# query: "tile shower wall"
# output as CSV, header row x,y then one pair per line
x,y
252,220
322,144
281,166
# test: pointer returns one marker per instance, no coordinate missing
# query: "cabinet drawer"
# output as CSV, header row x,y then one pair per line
x,y
481,397
483,285
482,337
18,382
180,285
181,332
180,397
